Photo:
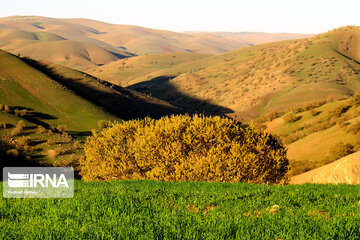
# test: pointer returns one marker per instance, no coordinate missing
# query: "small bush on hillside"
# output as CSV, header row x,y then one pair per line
x,y
1,107
354,128
272,115
309,106
41,129
49,132
66,137
314,112
184,148
356,98
293,137
23,113
23,141
62,128
338,151
15,132
21,124
290,117
13,153
53,153
77,145
341,122
315,104
51,141
338,111
7,109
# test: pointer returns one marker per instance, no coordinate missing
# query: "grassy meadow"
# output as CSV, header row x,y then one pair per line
x,y
186,210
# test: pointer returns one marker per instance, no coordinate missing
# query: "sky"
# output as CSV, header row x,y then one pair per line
x,y
294,16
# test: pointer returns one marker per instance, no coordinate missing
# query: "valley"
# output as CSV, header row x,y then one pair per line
x,y
213,134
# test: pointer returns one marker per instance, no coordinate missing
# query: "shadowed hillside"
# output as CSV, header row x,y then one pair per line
x,y
274,76
22,85
123,103
47,111
129,71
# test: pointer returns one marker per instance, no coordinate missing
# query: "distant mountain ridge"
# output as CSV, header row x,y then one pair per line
x,y
26,35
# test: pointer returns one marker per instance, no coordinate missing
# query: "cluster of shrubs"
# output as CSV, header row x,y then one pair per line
x,y
309,106
5,108
307,130
17,112
21,113
184,148
13,148
339,150
18,128
268,117
339,110
20,145
338,116
290,116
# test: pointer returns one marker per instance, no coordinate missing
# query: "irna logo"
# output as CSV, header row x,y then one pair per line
x,y
36,180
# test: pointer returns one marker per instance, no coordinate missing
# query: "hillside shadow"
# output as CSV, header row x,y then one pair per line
x,y
35,117
123,103
120,56
161,88
82,134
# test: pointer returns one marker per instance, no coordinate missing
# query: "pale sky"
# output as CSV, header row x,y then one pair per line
x,y
295,16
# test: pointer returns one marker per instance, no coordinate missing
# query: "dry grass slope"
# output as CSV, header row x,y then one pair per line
x,y
120,39
275,76
129,71
345,170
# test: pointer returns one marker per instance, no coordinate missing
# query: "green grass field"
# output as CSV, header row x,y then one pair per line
x,y
169,210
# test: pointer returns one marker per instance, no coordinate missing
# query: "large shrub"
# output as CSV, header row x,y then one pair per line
x,y
184,148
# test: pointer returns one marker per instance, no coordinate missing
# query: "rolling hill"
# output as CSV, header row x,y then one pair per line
x,y
48,110
27,88
33,33
317,133
274,76
345,170
71,96
70,53
129,71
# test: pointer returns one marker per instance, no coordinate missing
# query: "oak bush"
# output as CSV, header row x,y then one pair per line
x,y
184,148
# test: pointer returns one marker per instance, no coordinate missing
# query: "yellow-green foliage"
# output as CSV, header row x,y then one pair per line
x,y
337,112
291,117
184,148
